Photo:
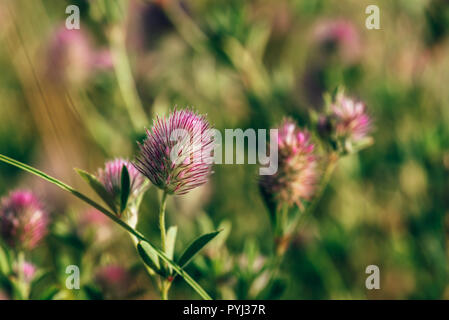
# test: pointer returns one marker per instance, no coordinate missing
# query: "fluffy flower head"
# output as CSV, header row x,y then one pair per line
x,y
177,153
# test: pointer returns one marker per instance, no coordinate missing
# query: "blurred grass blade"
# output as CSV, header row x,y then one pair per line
x,y
125,188
112,216
195,247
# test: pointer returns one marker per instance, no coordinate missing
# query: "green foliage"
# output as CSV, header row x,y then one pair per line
x,y
193,248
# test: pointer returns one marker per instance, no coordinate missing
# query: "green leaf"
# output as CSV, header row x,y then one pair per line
x,y
195,247
98,187
125,189
203,294
149,256
170,243
4,262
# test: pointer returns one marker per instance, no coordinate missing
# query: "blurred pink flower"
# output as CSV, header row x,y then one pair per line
x,y
351,119
72,58
297,174
23,221
92,219
192,165
29,270
339,34
114,280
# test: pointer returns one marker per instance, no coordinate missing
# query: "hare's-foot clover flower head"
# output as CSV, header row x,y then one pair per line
x,y
297,174
23,220
351,122
177,153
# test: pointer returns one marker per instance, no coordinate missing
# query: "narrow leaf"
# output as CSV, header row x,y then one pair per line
x,y
170,243
195,247
98,187
125,189
149,256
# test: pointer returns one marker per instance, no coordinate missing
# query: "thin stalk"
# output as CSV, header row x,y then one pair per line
x,y
23,287
164,283
162,220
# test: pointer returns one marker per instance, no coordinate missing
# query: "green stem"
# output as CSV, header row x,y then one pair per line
x,y
164,290
162,220
164,282
23,286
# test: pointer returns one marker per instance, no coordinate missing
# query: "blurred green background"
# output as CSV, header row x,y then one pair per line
x,y
71,101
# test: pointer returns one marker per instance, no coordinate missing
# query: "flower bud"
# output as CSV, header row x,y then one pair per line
x,y
111,178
